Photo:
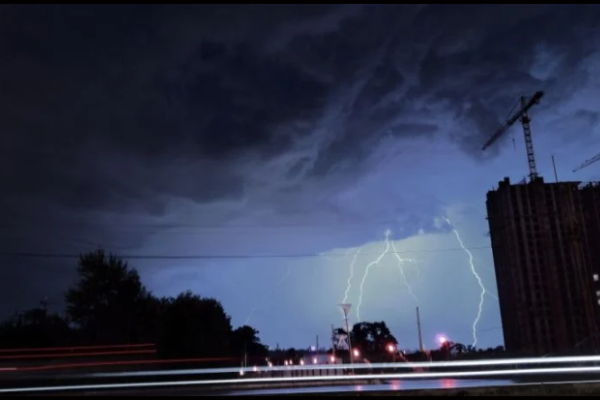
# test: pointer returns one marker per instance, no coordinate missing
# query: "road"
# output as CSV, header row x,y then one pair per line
x,y
390,388
309,379
394,386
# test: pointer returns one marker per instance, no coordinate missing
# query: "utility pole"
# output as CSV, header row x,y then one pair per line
x,y
333,344
318,352
346,310
421,347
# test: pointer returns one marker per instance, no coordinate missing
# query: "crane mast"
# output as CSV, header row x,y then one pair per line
x,y
587,163
523,115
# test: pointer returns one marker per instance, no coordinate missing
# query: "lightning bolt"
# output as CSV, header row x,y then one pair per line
x,y
367,270
403,274
351,276
477,277
283,278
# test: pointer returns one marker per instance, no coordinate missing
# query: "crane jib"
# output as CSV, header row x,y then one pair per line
x,y
521,115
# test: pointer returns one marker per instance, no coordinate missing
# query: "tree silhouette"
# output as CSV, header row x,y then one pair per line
x,y
195,327
35,328
372,337
245,341
109,304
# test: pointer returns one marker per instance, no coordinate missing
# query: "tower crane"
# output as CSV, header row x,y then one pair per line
x,y
587,163
522,115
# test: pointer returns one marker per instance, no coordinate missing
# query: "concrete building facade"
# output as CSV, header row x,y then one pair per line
x,y
590,200
544,267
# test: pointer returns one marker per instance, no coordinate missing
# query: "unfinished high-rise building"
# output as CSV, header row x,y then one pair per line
x,y
546,248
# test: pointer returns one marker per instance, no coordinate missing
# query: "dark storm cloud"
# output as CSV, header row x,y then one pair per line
x,y
233,98
489,62
79,79
146,82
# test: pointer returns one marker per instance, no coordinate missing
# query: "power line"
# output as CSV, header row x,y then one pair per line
x,y
326,224
224,256
223,225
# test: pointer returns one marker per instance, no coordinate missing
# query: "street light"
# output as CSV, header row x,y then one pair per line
x,y
346,310
445,346
356,353
392,350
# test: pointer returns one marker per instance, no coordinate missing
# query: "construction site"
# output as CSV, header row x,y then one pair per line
x,y
545,240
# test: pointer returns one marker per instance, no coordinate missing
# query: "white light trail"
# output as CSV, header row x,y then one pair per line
x,y
283,278
223,382
477,277
368,268
403,274
414,365
351,276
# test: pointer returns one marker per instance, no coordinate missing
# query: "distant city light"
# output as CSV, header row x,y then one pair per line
x,y
356,353
391,348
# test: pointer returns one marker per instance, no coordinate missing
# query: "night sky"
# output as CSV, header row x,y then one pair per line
x,y
171,132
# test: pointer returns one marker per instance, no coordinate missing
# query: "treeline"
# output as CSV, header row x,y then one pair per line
x,y
374,341
109,305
